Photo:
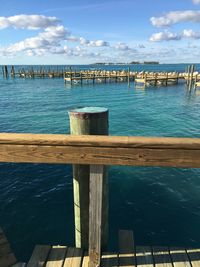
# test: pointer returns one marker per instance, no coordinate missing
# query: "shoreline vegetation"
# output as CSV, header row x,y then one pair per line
x,y
131,63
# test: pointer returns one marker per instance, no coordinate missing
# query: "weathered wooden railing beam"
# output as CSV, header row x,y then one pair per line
x,y
105,150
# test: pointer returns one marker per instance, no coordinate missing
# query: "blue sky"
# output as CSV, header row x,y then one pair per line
x,y
78,32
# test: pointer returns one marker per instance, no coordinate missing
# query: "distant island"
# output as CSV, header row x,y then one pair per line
x,y
131,63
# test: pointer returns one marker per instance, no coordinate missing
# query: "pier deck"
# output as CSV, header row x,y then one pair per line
x,y
128,255
7,257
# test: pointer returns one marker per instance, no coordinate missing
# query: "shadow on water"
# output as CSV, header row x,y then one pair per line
x,y
37,206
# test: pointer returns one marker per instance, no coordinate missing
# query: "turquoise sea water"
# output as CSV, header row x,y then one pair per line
x,y
161,205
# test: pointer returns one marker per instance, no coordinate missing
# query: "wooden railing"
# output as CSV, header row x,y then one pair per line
x,y
106,150
98,151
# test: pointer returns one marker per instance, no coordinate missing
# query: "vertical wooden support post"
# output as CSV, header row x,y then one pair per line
x,y
188,75
156,77
177,75
93,79
81,77
191,77
88,121
95,214
12,73
70,69
195,81
5,71
167,79
129,76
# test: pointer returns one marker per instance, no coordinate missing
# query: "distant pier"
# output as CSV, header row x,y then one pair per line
x,y
143,78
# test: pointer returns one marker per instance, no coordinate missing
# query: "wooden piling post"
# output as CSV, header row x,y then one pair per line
x,y
166,79
12,73
5,71
188,75
191,77
88,121
128,76
156,78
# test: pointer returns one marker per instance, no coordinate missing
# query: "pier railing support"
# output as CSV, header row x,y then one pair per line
x,y
89,121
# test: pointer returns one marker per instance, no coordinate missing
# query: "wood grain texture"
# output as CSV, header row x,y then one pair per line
x,y
7,258
77,257
56,256
95,214
84,121
126,248
194,256
99,141
179,257
144,152
85,261
162,257
144,257
109,259
69,257
19,264
39,256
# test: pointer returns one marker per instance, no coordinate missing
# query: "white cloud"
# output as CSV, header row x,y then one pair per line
x,y
45,40
31,22
191,34
164,36
141,46
196,1
169,36
97,43
176,17
49,41
122,46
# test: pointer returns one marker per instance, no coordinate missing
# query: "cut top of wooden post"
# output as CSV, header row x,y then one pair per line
x,y
89,120
84,111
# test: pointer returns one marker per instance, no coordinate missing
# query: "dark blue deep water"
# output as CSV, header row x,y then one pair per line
x,y
161,205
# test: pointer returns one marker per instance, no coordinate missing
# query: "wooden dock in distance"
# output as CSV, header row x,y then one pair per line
x,y
99,76
128,255
144,78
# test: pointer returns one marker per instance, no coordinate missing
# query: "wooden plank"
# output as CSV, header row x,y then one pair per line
x,y
144,257
7,260
194,256
69,257
3,239
101,155
39,256
77,257
56,257
5,249
99,141
85,262
95,214
126,248
140,80
109,259
179,257
19,264
74,258
162,257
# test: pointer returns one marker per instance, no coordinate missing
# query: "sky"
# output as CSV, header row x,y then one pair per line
x,y
90,31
